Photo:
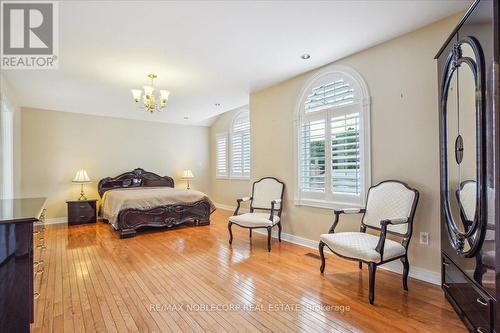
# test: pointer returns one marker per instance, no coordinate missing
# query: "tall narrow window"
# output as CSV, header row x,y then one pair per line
x,y
240,146
333,166
7,151
221,155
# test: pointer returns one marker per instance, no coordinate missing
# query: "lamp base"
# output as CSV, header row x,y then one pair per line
x,y
82,194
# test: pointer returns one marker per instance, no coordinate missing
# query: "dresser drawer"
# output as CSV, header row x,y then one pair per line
x,y
82,208
475,304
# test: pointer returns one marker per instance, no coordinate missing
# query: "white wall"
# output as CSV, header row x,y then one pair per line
x,y
56,144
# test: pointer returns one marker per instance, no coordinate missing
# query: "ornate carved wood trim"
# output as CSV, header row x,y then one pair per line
x,y
135,178
197,213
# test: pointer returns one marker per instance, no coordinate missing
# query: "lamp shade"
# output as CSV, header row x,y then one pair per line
x,y
81,177
187,174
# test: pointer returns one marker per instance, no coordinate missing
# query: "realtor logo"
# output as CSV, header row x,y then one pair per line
x,y
29,35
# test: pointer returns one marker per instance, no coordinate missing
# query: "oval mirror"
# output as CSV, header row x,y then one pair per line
x,y
462,114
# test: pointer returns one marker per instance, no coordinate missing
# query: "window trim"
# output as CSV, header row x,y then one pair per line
x,y
7,148
364,102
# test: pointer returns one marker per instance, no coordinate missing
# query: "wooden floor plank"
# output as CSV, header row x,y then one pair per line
x,y
95,282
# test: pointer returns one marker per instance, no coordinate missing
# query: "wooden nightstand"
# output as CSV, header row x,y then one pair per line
x,y
81,211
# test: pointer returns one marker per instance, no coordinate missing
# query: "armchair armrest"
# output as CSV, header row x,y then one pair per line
x,y
239,201
337,213
383,232
273,202
351,210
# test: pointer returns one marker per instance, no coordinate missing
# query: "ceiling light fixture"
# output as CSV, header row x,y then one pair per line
x,y
217,104
151,102
305,56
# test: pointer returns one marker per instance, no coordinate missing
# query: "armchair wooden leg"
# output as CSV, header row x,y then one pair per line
x,y
269,238
372,268
360,264
406,269
279,231
230,232
250,233
322,255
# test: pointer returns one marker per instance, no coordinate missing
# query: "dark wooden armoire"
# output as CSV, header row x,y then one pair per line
x,y
468,71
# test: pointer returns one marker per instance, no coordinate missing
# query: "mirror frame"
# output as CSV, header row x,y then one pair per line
x,y
454,60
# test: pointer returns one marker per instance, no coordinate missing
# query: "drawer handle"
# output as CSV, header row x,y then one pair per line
x,y
481,301
36,295
446,285
82,206
82,216
446,263
481,330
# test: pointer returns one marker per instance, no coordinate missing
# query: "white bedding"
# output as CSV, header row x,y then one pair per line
x,y
116,200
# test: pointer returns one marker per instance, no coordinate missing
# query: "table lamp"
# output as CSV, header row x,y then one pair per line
x,y
81,177
187,175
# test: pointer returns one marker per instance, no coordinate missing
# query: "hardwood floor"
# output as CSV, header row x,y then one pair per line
x,y
160,281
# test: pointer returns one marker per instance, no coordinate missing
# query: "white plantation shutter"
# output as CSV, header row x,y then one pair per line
x,y
221,155
345,154
240,146
312,156
336,93
333,160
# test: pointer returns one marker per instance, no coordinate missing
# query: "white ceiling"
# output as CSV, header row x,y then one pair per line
x,y
204,52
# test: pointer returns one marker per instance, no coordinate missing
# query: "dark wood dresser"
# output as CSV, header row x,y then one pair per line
x,y
19,227
469,81
81,211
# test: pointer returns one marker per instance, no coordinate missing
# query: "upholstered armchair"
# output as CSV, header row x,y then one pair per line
x,y
390,208
265,209
466,197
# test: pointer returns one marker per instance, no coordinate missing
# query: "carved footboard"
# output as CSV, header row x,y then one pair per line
x,y
197,213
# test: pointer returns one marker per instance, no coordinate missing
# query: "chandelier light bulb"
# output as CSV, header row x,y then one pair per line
x,y
136,93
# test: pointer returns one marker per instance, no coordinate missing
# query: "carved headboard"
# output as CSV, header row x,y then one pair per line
x,y
135,178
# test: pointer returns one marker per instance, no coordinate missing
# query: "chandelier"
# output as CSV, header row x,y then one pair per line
x,y
151,101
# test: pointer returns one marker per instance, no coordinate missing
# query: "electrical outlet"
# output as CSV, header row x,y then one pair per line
x,y
424,238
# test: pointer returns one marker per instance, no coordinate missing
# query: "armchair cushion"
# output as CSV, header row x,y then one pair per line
x,y
254,220
360,245
388,200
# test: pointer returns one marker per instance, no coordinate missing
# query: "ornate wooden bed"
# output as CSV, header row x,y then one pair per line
x,y
129,220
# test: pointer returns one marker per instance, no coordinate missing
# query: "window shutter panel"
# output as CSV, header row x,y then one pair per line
x,y
221,155
335,93
240,146
312,156
346,174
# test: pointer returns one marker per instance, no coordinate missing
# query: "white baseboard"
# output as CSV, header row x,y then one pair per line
x,y
225,207
393,266
56,220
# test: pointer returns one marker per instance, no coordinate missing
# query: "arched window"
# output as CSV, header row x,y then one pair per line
x,y
240,145
232,151
333,139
